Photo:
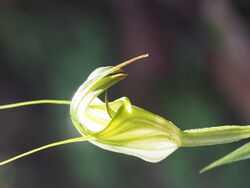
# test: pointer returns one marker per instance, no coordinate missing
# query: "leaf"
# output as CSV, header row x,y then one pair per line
x,y
239,154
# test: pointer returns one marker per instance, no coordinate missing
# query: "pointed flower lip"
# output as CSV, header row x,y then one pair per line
x,y
130,130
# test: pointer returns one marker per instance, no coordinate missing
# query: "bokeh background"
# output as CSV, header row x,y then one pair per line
x,y
197,75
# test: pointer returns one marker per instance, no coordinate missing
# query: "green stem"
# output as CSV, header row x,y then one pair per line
x,y
214,135
28,103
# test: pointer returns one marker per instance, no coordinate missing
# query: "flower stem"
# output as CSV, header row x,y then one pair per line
x,y
214,135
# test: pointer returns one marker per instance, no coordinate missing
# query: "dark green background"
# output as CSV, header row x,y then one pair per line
x,y
197,75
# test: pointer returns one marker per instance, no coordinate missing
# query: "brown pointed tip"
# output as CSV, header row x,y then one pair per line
x,y
131,61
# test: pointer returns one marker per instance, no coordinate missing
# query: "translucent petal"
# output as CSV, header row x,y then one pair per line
x,y
134,131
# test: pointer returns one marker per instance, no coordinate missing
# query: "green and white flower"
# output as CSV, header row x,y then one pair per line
x,y
121,127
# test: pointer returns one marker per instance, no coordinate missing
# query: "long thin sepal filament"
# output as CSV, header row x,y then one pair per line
x,y
68,141
28,103
131,61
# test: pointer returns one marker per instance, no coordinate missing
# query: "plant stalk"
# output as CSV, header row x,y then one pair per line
x,y
214,135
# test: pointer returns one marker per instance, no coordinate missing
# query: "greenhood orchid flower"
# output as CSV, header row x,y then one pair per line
x,y
129,129
121,127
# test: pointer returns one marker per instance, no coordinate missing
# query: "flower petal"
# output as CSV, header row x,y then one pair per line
x,y
134,131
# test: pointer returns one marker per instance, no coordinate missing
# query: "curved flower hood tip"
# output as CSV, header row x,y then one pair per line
x,y
128,129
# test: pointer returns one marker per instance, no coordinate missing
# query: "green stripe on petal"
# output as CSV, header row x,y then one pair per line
x,y
134,131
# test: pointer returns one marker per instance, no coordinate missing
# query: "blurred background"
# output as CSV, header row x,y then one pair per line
x,y
197,75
